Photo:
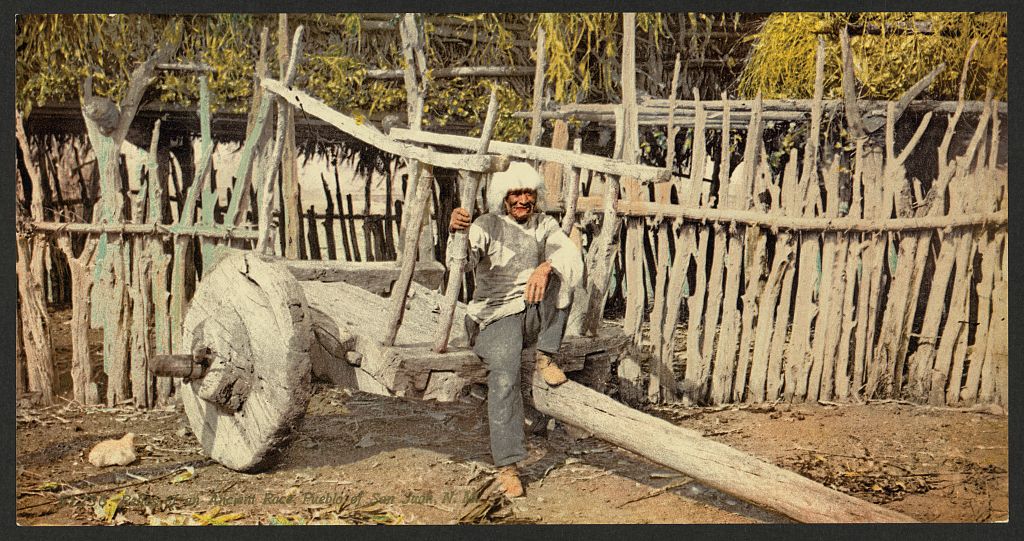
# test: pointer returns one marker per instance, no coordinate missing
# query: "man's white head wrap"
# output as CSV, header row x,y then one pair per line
x,y
518,176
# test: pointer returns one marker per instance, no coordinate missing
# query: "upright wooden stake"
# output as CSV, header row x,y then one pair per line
x,y
983,289
415,89
268,194
366,221
181,260
755,269
634,268
832,292
988,246
289,165
471,185
600,258
160,261
872,262
553,171
994,371
257,133
922,363
673,130
663,370
665,313
903,292
35,324
842,371
724,365
797,354
947,372
342,220
139,265
540,52
699,331
572,194
332,248
352,227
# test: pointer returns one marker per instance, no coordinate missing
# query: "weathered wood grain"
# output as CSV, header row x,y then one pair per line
x,y
375,276
599,164
267,302
417,212
371,136
710,462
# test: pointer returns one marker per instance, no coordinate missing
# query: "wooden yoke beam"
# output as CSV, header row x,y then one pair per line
x,y
486,163
597,164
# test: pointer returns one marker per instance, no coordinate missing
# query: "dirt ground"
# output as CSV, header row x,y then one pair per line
x,y
365,459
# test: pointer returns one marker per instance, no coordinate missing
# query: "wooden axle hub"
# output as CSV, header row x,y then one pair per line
x,y
185,366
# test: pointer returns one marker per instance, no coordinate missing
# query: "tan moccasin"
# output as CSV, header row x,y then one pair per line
x,y
548,370
509,483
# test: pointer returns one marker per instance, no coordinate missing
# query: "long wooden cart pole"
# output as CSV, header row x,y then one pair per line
x,y
712,463
460,239
417,212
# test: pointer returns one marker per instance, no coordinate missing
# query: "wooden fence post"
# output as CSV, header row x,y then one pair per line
x,y
724,365
291,210
415,88
139,267
352,230
268,192
311,233
988,246
665,312
804,311
160,260
635,227
692,241
332,248
180,259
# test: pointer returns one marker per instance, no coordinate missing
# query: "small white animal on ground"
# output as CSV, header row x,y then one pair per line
x,y
114,452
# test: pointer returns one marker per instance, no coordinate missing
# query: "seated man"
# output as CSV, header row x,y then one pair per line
x,y
517,302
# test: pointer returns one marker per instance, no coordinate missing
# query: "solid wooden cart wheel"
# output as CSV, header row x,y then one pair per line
x,y
251,316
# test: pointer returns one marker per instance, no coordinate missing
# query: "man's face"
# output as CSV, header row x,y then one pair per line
x,y
519,204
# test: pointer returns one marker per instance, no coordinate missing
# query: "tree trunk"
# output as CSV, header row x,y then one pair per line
x,y
35,321
20,371
83,381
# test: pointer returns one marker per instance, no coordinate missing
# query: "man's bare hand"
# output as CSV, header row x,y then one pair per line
x,y
537,284
460,219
